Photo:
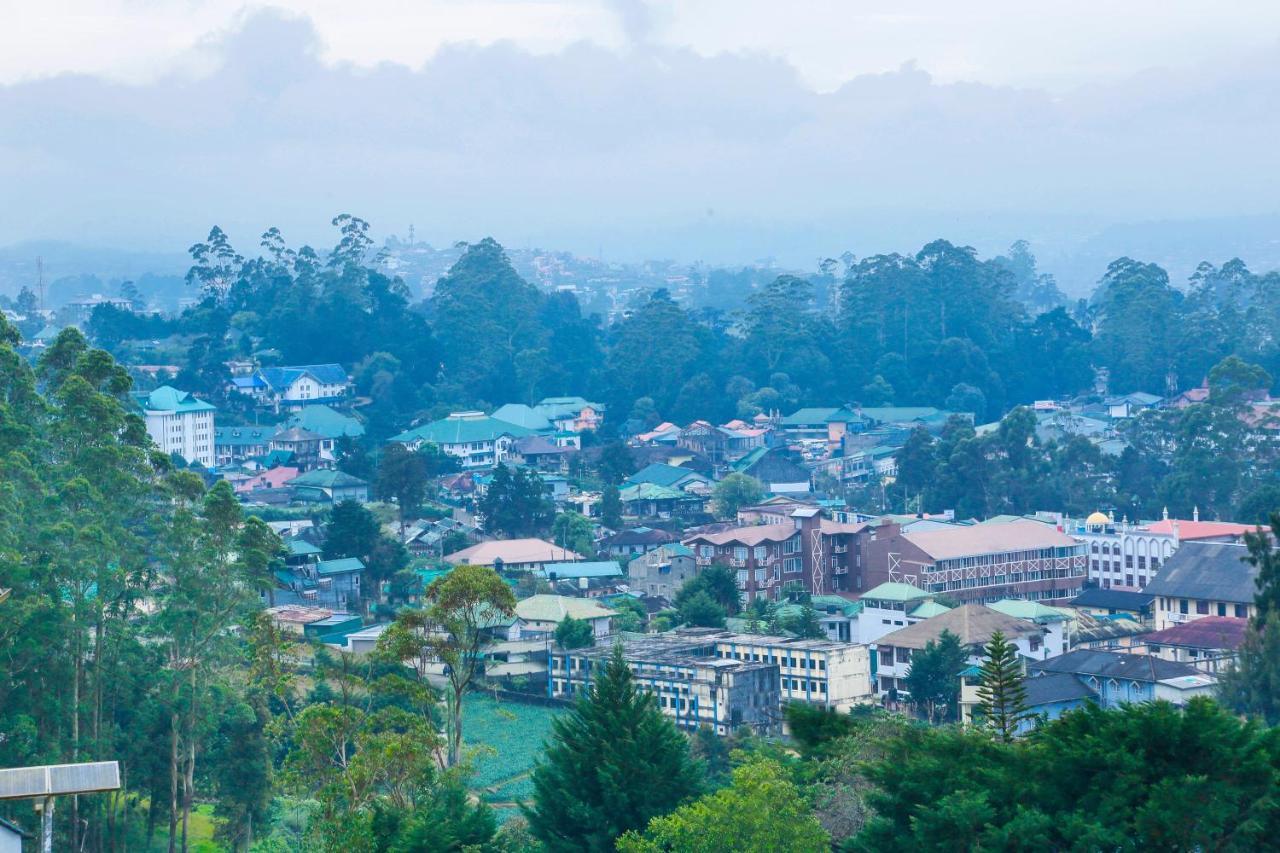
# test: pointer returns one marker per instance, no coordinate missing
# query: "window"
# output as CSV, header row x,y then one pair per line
x,y
791,546
902,655
1242,611
1222,609
792,564
1202,608
760,553
886,656
1182,606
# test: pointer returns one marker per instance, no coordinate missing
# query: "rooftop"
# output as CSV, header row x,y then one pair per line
x,y
1032,611
554,608
1113,599
661,474
585,569
169,399
895,591
1105,664
972,623
1208,632
523,416
512,552
1212,571
463,428
343,566
1192,530
325,421
967,541
280,378
1054,687
327,478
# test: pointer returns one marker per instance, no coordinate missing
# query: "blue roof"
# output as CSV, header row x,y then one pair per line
x,y
169,399
462,428
522,415
661,474
346,565
587,569
280,378
246,382
325,421
236,436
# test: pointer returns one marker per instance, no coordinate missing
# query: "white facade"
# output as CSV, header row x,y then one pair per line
x,y
1122,555
307,388
189,434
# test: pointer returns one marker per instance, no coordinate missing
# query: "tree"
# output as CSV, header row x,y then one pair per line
x,y
402,476
700,610
1002,697
611,507
575,633
734,491
573,531
615,463
352,531
761,812
516,504
459,606
1252,684
1157,776
613,763
933,679
717,581
630,615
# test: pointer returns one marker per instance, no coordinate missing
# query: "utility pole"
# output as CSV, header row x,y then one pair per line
x,y
40,280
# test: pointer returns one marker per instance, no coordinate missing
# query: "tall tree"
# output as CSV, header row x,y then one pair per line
x,y
1002,697
614,763
933,679
450,629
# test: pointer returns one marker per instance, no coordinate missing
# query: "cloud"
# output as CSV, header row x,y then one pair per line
x,y
589,147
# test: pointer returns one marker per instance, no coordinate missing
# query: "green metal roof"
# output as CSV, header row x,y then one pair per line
x,y
928,609
463,430
524,416
895,591
830,603
325,421
650,492
301,548
809,416
327,478
346,565
585,569
169,399
1032,611
661,474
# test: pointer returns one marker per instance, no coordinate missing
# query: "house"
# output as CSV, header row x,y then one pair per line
x,y
512,555
889,606
474,438
572,414
722,445
300,385
524,416
973,624
540,615
808,550
1115,602
672,477
664,433
326,485
271,478
636,540
986,562
649,500
585,579
1128,555
661,572
821,426
1204,579
1056,621
1209,644
338,581
542,454
179,423
306,446
1129,405
1119,678
689,683
775,470
1050,695
234,444
327,422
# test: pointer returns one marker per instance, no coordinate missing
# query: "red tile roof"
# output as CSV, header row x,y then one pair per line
x,y
1192,530
1207,632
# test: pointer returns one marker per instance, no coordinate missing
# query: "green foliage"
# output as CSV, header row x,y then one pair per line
x,y
1251,685
614,763
761,812
631,614
735,491
516,504
813,727
717,581
611,507
575,633
1145,777
933,679
574,531
700,610
1002,696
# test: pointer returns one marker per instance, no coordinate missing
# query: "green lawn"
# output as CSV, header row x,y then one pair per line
x,y
502,740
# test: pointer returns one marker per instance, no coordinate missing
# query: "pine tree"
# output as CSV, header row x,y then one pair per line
x,y
613,763
1002,694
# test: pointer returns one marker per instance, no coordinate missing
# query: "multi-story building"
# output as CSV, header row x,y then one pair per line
x,y
179,423
808,549
973,624
689,682
1129,555
816,672
1018,558
477,440
1204,579
300,385
660,573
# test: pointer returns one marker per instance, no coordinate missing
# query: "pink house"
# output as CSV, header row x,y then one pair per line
x,y
272,478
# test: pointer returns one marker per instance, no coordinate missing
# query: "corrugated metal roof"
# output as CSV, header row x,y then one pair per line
x,y
57,779
1210,571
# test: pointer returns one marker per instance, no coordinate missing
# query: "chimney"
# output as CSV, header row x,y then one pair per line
x,y
1195,513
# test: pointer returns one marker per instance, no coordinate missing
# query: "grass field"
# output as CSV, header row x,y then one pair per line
x,y
503,740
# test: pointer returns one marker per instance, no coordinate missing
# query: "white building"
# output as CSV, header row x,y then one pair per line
x,y
179,423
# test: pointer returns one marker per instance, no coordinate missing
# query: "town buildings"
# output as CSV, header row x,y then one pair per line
x,y
476,440
293,387
179,423
661,572
1204,579
690,683
808,549
1118,678
1209,643
986,562
513,555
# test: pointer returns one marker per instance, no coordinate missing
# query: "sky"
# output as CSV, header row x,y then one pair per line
x,y
723,130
